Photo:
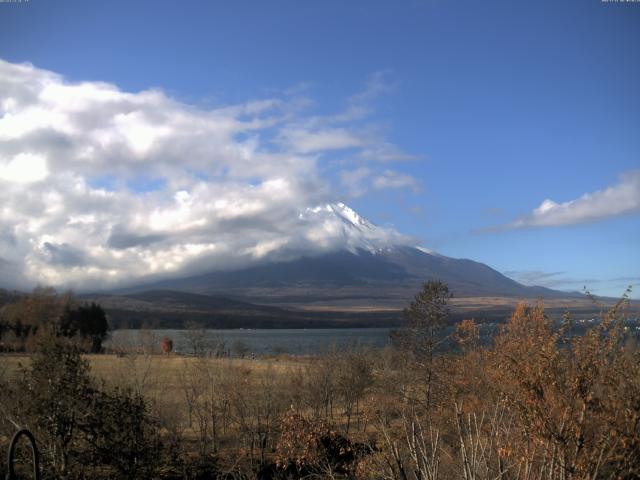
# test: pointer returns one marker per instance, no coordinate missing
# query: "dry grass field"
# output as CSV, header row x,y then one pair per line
x,y
162,377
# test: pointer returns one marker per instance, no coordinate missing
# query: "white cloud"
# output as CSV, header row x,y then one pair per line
x,y
619,199
226,186
392,179
25,167
363,179
305,141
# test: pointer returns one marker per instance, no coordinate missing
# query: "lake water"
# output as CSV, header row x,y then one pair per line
x,y
253,341
279,341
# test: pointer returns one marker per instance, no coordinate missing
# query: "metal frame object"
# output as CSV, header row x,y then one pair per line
x,y
11,475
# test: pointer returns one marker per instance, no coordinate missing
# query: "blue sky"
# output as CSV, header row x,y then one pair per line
x,y
484,110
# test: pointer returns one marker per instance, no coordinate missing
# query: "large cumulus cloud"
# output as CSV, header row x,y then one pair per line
x,y
101,187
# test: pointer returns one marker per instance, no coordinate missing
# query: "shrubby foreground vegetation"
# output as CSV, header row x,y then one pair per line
x,y
539,402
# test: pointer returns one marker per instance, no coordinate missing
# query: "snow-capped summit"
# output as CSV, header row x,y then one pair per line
x,y
336,226
351,216
342,211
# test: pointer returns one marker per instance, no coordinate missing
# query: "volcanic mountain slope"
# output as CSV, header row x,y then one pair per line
x,y
394,273
370,268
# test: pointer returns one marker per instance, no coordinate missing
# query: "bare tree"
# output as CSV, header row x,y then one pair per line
x,y
196,337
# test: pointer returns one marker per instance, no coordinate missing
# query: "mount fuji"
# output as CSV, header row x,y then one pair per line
x,y
366,265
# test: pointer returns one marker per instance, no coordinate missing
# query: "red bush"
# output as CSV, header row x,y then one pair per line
x,y
166,345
